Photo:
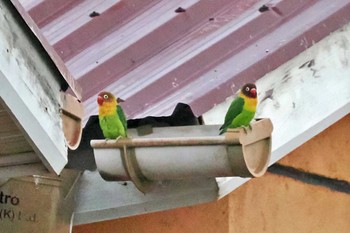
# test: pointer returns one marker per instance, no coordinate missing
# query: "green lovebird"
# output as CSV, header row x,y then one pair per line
x,y
242,108
111,116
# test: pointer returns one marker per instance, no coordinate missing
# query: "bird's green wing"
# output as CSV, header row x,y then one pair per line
x,y
235,108
122,117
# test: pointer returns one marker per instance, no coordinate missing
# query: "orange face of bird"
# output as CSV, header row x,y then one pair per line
x,y
249,90
105,97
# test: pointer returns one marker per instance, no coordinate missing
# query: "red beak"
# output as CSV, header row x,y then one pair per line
x,y
99,100
253,92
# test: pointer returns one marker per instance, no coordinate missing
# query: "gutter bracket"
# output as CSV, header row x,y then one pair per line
x,y
133,170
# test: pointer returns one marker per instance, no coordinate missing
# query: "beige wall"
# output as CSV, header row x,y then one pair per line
x,y
280,204
272,203
211,217
327,154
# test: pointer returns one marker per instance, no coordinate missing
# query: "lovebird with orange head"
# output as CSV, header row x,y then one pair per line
x,y
111,116
242,109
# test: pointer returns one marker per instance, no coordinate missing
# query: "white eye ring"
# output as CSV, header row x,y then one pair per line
x,y
247,88
105,97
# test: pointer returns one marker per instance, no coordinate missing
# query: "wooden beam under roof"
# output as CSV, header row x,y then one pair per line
x,y
30,93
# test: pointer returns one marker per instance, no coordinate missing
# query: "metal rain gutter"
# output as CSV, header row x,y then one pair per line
x,y
187,152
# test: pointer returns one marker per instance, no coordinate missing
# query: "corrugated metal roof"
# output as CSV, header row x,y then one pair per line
x,y
155,53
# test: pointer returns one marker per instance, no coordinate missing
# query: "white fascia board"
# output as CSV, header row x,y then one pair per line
x,y
30,88
302,97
